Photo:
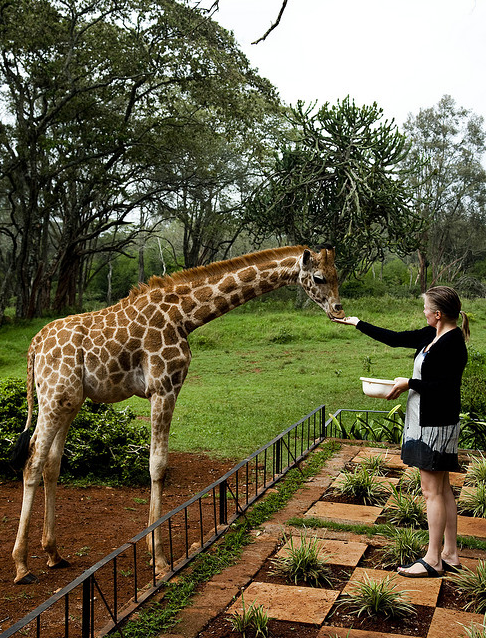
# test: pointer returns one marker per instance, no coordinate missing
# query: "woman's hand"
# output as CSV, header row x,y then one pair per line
x,y
350,321
401,385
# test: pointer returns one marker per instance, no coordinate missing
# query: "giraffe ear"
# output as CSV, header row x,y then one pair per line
x,y
306,257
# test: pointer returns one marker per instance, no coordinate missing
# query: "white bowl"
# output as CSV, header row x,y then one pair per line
x,y
377,387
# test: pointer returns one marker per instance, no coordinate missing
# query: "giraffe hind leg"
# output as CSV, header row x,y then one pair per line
x,y
50,475
45,434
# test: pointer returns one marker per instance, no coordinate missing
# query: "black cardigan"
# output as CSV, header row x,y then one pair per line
x,y
442,368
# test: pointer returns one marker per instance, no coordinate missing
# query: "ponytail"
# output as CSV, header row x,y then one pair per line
x,y
465,325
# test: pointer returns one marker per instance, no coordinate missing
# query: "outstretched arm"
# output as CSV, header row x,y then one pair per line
x,y
350,321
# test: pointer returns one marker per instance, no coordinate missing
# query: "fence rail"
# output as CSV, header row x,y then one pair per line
x,y
101,598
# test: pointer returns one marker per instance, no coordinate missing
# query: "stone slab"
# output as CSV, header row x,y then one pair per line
x,y
449,622
457,478
471,526
284,602
369,452
336,552
249,564
344,512
346,632
421,591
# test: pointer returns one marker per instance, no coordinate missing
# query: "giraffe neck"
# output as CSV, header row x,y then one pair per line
x,y
205,293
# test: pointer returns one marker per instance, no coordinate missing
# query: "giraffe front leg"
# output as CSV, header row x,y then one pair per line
x,y
162,408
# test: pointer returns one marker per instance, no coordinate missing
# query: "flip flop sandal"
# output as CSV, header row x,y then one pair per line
x,y
450,567
429,572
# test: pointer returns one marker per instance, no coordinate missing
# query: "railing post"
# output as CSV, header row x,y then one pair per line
x,y
322,418
86,610
278,456
223,503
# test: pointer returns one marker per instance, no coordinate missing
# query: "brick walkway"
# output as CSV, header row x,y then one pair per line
x,y
311,605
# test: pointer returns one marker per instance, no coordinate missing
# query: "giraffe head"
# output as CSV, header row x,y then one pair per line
x,y
318,277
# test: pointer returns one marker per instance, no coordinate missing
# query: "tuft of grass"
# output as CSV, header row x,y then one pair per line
x,y
375,464
407,544
476,473
378,598
410,481
405,509
474,502
362,484
254,619
303,561
472,584
474,631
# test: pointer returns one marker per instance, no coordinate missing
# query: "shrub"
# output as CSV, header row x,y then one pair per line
x,y
473,388
410,481
476,472
303,562
378,598
405,509
254,619
472,584
103,442
407,544
474,502
363,485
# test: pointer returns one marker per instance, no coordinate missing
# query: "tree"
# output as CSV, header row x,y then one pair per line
x,y
95,97
341,179
450,187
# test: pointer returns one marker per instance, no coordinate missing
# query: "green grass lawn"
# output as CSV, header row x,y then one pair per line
x,y
262,367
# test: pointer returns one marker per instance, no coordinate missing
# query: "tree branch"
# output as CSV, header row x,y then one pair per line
x,y
274,25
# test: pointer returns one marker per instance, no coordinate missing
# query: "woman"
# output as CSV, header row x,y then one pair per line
x,y
431,429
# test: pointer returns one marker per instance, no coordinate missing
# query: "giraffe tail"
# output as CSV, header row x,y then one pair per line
x,y
20,452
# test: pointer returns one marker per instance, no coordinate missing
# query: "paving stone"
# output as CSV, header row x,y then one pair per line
x,y
193,621
250,562
284,602
421,591
215,596
457,478
337,552
448,622
344,512
345,632
394,461
471,526
369,452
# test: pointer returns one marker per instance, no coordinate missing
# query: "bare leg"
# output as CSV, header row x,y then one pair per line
x,y
450,552
433,491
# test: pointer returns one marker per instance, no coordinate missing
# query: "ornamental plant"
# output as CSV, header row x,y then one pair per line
x,y
378,598
303,561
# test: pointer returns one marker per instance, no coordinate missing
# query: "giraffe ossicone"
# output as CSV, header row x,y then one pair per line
x,y
139,347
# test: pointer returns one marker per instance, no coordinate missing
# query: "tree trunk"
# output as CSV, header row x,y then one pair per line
x,y
423,263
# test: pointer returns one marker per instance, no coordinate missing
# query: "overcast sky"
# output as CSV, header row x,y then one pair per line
x,y
402,54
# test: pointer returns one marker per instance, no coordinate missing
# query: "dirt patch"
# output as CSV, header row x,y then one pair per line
x,y
91,522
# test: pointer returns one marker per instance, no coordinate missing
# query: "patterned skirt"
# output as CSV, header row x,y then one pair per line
x,y
428,448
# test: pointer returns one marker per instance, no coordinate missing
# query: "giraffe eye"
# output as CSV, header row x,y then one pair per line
x,y
319,280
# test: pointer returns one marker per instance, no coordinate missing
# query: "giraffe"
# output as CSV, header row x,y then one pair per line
x,y
139,347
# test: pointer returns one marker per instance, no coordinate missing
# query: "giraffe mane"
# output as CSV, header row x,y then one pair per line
x,y
214,269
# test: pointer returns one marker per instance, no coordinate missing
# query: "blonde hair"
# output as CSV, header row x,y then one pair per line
x,y
446,300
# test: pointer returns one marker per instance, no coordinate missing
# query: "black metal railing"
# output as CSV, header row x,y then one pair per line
x,y
103,596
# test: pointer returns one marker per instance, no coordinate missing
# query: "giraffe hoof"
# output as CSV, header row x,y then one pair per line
x,y
28,579
62,564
